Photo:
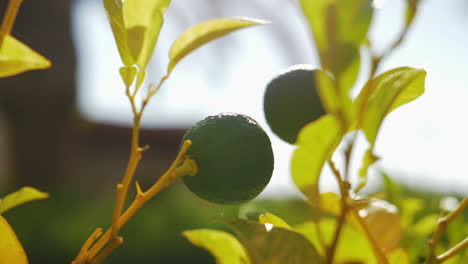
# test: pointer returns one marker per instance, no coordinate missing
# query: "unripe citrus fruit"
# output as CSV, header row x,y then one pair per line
x,y
291,101
234,158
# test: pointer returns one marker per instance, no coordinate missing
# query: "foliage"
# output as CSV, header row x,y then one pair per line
x,y
349,227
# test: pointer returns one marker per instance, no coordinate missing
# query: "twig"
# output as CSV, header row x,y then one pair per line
x,y
441,226
113,244
453,251
379,254
9,18
188,167
344,210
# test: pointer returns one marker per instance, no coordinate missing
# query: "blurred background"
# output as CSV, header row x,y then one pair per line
x,y
67,130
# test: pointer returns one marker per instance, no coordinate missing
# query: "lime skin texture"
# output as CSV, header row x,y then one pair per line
x,y
234,158
291,101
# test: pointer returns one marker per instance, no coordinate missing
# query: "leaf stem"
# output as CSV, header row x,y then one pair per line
x,y
441,226
181,166
379,254
109,241
9,18
113,244
344,190
453,251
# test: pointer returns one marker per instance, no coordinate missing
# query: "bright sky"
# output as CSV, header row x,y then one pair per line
x,y
422,144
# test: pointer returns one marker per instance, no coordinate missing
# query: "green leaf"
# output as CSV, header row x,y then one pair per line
x,y
128,75
384,223
369,159
205,32
339,28
274,220
411,11
385,93
316,143
398,256
223,246
11,250
426,225
393,190
409,208
115,17
143,22
353,245
267,244
16,57
140,78
23,195
136,25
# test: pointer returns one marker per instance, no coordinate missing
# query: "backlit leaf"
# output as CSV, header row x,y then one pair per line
x,y
384,223
16,57
11,250
393,190
369,159
411,11
267,244
24,195
136,25
316,143
339,28
225,248
398,256
385,93
353,246
205,32
274,220
409,208
426,225
128,75
143,21
115,17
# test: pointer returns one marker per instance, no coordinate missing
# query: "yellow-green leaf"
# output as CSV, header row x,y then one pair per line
x,y
426,225
384,223
224,247
23,195
128,75
385,93
11,250
267,244
332,100
205,32
316,143
143,21
16,57
115,17
398,256
274,220
136,25
369,159
339,27
353,245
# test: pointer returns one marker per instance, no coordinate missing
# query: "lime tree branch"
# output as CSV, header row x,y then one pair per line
x,y
181,166
344,190
106,243
9,18
441,226
453,251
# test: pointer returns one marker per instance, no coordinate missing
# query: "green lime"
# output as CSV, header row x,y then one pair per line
x,y
234,158
291,101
